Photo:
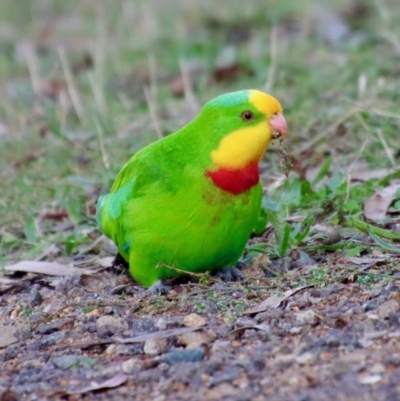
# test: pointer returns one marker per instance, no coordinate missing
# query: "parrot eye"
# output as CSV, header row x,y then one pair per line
x,y
247,115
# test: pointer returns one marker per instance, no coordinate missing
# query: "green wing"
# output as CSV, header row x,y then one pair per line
x,y
131,183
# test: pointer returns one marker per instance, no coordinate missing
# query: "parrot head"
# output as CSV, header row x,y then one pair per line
x,y
242,125
246,122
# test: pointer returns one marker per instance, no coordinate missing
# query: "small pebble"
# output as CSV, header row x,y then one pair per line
x,y
185,355
196,338
35,298
377,368
194,320
142,326
111,349
107,326
53,339
132,365
387,308
51,327
161,324
10,353
163,366
370,306
220,346
155,346
67,283
306,317
369,379
67,361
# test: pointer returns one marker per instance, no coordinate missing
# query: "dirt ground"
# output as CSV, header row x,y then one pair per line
x,y
84,85
75,338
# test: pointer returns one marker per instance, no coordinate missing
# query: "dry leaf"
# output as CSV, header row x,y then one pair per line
x,y
364,260
375,208
115,381
107,261
362,174
49,268
274,300
4,280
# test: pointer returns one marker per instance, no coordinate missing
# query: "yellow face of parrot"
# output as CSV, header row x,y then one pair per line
x,y
247,144
251,120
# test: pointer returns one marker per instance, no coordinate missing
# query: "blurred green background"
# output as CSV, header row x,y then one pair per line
x,y
85,84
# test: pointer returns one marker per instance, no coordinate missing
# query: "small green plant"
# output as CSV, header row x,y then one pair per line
x,y
240,307
25,311
200,307
366,279
88,309
287,236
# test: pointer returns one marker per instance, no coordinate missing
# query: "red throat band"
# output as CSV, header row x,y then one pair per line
x,y
235,181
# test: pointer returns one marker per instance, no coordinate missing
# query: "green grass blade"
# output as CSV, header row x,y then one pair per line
x,y
30,230
366,228
285,242
383,244
323,171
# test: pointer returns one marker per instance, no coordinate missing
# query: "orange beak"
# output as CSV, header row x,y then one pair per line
x,y
278,124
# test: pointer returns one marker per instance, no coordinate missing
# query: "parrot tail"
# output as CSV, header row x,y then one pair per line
x,y
99,209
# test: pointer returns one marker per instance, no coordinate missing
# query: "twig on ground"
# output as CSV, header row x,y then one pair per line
x,y
201,276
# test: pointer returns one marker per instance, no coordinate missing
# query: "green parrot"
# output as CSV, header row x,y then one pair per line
x,y
191,200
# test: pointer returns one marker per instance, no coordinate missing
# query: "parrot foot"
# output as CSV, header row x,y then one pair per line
x,y
158,288
229,274
119,262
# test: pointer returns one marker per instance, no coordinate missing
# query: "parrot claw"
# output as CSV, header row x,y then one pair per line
x,y
158,288
119,262
229,274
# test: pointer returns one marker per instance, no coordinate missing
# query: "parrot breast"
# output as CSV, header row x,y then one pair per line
x,y
235,181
